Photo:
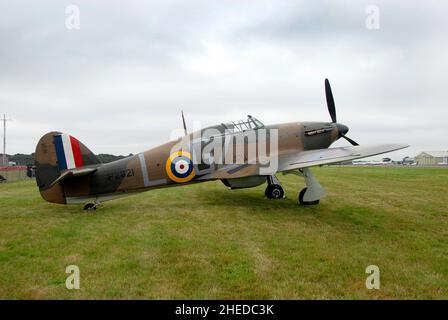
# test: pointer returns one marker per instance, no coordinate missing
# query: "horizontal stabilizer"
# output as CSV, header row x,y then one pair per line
x,y
73,173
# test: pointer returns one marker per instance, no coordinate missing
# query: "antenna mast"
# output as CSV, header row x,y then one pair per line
x,y
183,121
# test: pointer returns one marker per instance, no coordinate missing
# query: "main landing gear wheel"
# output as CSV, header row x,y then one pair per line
x,y
306,203
274,191
90,206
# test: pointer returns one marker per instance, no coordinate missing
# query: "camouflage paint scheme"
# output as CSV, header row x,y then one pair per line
x,y
68,172
147,170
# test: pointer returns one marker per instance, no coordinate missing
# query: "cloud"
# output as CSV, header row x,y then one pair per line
x,y
119,82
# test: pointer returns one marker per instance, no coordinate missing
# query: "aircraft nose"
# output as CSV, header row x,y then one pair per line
x,y
343,129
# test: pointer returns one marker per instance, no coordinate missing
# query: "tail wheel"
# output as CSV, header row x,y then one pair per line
x,y
306,203
90,206
274,191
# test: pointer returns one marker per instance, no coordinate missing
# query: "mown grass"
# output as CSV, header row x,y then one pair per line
x,y
203,241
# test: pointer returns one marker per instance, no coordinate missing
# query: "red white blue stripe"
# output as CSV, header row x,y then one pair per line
x,y
68,152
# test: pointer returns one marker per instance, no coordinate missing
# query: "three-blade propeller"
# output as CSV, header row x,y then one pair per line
x,y
332,110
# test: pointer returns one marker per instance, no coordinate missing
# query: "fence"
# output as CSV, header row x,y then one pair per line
x,y
14,173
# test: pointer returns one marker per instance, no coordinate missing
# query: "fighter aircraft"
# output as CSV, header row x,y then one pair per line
x,y
67,172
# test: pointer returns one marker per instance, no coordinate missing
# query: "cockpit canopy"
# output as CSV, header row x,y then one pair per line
x,y
243,125
233,127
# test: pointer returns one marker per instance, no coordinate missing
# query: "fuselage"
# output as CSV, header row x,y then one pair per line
x,y
151,169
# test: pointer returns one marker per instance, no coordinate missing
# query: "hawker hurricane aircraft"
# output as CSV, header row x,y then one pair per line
x,y
67,172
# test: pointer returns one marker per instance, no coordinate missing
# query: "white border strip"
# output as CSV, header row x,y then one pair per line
x,y
66,143
141,156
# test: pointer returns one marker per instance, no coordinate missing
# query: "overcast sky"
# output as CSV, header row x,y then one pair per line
x,y
119,82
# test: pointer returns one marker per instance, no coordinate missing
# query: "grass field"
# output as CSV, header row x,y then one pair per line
x,y
202,241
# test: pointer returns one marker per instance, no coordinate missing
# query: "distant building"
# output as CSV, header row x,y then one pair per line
x,y
3,164
432,158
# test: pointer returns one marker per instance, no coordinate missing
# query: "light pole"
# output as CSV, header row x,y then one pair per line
x,y
4,139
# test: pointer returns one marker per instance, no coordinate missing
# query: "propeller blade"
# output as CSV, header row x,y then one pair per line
x,y
330,101
354,143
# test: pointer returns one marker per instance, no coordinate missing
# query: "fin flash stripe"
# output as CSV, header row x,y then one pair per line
x,y
68,152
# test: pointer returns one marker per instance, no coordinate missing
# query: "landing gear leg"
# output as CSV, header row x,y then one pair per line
x,y
313,191
274,190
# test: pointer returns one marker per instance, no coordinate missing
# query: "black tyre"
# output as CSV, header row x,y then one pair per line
x,y
90,206
274,191
306,203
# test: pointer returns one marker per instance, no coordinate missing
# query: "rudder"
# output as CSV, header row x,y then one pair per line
x,y
55,153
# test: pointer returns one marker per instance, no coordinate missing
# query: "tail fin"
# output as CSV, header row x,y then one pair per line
x,y
57,152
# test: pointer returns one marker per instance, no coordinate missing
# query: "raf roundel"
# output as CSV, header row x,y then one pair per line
x,y
179,167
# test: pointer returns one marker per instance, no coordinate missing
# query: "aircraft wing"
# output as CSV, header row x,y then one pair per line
x,y
319,157
303,159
